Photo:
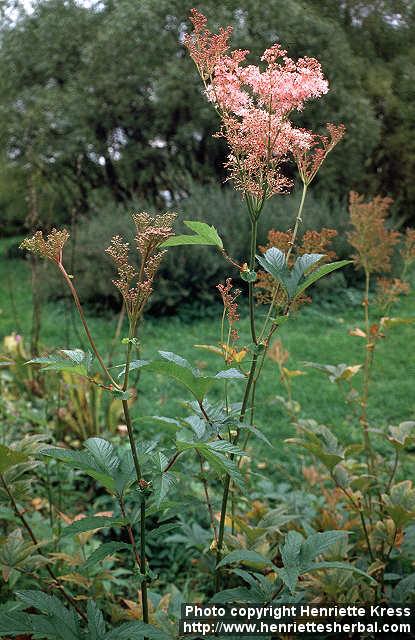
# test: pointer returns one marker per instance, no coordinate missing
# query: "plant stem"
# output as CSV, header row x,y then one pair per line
x,y
126,409
144,596
366,377
85,324
254,230
208,502
130,534
32,536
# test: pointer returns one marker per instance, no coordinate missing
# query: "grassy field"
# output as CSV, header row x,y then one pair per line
x,y
314,335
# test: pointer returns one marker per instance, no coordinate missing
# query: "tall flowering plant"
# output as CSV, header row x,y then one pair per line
x,y
255,104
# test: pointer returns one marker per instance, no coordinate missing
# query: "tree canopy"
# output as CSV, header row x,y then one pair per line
x,y
100,102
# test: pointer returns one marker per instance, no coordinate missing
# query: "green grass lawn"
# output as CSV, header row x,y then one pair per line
x,y
314,335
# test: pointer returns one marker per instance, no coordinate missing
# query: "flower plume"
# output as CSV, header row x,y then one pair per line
x,y
50,248
255,104
372,240
136,285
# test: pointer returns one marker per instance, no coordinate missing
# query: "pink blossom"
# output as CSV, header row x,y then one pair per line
x,y
255,104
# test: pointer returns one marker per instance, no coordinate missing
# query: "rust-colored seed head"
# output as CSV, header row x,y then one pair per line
x,y
372,240
50,248
136,285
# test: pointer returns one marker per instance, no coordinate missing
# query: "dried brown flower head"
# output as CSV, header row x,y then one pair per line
x,y
372,240
229,300
50,248
388,291
136,285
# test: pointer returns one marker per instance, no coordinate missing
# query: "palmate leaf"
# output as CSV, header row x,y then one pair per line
x,y
298,556
59,622
100,461
15,623
74,361
296,281
204,235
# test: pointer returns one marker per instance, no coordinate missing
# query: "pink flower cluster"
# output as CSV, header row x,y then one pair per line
x,y
255,105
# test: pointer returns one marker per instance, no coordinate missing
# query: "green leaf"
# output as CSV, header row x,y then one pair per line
x,y
204,235
238,594
60,622
321,442
103,551
400,503
90,524
162,485
318,543
9,458
136,631
343,566
75,361
99,460
96,623
256,432
248,276
403,435
134,364
324,270
274,262
404,589
15,623
246,556
229,374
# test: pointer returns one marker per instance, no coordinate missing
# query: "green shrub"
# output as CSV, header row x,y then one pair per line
x,y
188,278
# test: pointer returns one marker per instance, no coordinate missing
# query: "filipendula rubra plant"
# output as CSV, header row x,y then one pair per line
x,y
254,104
135,285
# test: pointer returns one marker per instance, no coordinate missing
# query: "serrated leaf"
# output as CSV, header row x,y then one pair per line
x,y
74,361
322,271
96,623
197,385
9,458
343,566
400,503
318,543
134,364
90,524
15,623
105,550
61,621
238,594
246,556
204,235
98,461
162,486
136,631
248,276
